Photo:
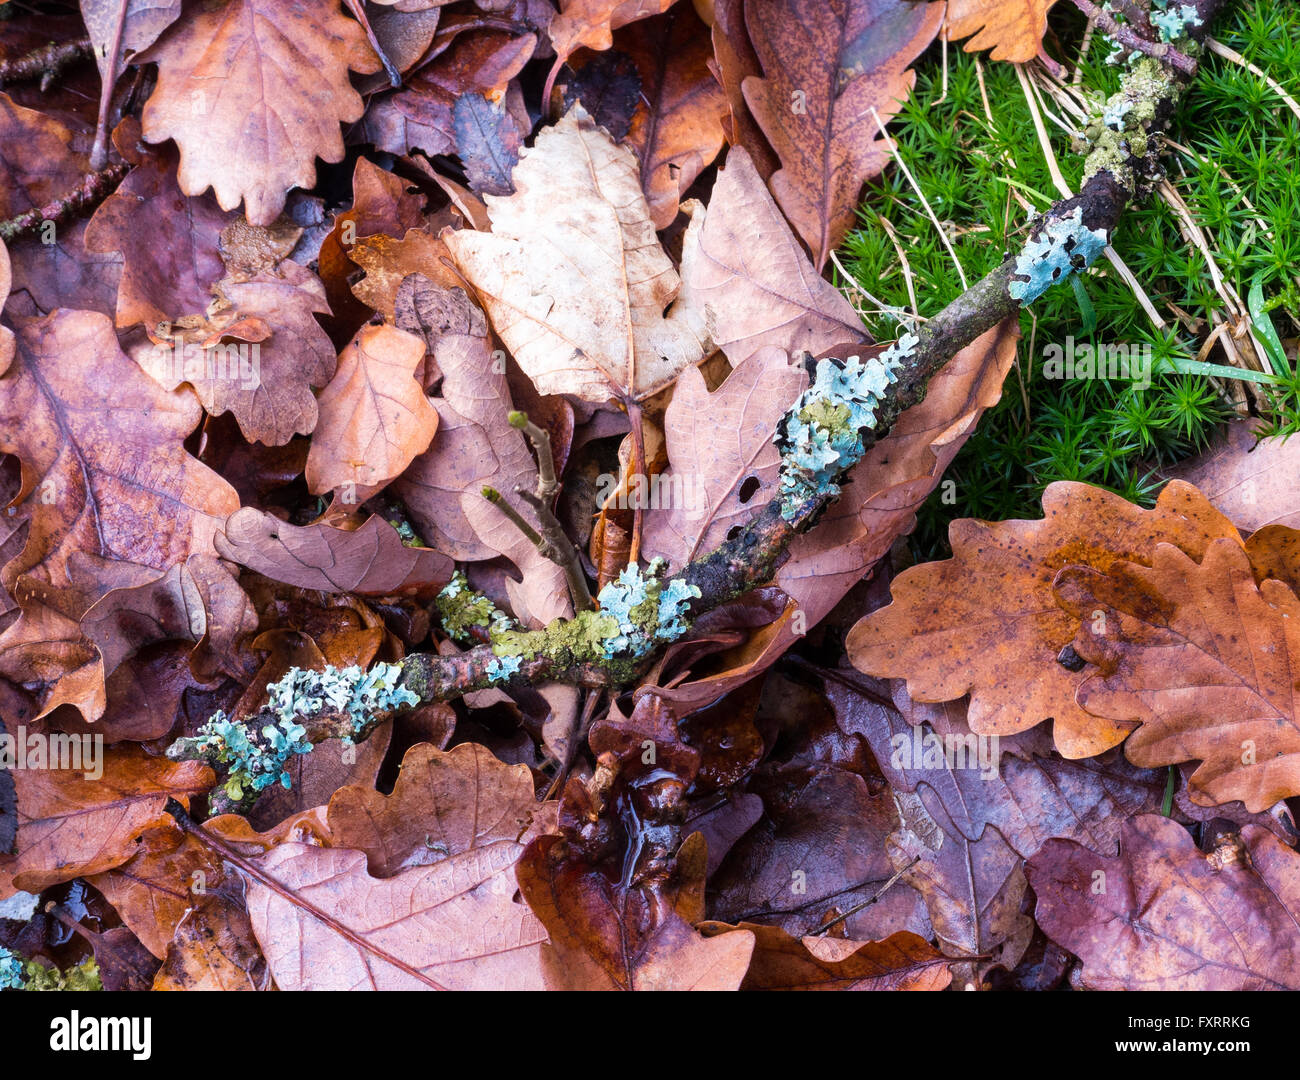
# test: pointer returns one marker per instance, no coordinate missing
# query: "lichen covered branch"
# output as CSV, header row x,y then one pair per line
x,y
850,404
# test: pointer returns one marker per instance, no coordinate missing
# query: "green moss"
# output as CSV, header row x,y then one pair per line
x,y
84,976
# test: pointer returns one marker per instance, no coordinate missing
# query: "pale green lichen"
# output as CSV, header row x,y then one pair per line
x,y
1065,247
1122,133
638,612
821,436
19,974
461,609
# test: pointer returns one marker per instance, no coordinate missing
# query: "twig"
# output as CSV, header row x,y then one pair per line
x,y
552,541
1127,37
93,189
866,903
46,62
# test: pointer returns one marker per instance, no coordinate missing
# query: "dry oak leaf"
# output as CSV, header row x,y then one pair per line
x,y
421,115
369,561
902,961
1204,659
41,160
1028,800
70,825
326,924
572,274
214,948
734,61
834,73
160,281
253,91
374,417
753,279
103,463
477,447
1013,29
677,126
986,622
266,386
605,937
1252,480
1170,917
444,803
590,24
723,463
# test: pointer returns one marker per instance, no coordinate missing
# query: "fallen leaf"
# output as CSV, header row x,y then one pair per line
x,y
1203,659
572,275
902,961
834,71
1251,480
70,825
1164,916
253,91
476,447
676,128
723,462
1013,29
374,417
326,924
443,805
979,622
370,561
755,283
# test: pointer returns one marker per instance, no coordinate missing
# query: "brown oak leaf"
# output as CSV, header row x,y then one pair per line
x,y
834,72
1013,29
374,417
1203,658
71,824
253,91
984,620
369,561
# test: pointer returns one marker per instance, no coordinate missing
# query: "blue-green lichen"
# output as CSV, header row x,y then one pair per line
x,y
254,763
502,668
649,612
1174,20
821,436
1065,247
11,971
461,609
251,765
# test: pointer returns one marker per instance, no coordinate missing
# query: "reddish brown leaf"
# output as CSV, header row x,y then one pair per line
x,y
1201,657
374,417
69,825
755,282
781,962
1164,916
372,561
253,91
834,72
1013,29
